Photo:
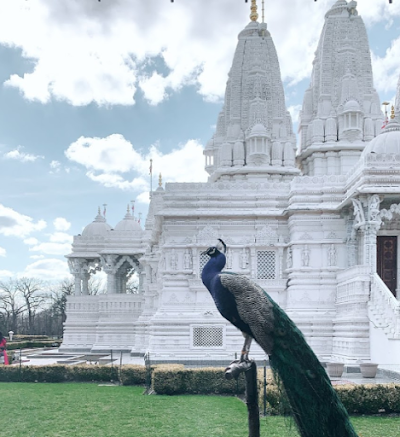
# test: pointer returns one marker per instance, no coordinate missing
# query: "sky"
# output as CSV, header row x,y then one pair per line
x,y
91,91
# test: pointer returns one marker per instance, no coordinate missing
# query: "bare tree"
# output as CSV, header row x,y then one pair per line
x,y
33,293
11,304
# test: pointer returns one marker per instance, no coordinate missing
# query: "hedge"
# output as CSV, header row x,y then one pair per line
x,y
176,379
28,344
357,399
171,380
129,375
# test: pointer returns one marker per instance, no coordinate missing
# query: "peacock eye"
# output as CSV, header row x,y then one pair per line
x,y
212,251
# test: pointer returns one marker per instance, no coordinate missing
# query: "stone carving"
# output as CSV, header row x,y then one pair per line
x,y
289,258
305,256
161,263
173,260
266,235
187,259
244,258
358,213
305,237
229,257
373,208
388,214
332,256
207,234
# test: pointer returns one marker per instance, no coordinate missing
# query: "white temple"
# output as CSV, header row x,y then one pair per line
x,y
315,224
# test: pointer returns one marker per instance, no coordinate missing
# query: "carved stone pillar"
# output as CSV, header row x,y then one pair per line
x,y
368,222
78,281
75,267
108,263
85,283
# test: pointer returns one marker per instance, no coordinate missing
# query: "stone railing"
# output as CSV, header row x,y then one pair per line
x,y
384,308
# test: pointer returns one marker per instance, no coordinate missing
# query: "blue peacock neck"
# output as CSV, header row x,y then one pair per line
x,y
212,268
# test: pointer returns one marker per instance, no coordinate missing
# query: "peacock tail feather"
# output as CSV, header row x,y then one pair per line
x,y
315,406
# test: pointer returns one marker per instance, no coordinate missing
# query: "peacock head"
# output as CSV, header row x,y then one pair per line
x,y
216,250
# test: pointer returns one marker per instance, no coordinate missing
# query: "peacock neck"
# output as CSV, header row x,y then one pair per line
x,y
212,268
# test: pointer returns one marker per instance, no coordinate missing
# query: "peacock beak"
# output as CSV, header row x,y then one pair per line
x,y
204,253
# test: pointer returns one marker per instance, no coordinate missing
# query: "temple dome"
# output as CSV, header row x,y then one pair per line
x,y
351,106
388,142
258,130
98,228
128,224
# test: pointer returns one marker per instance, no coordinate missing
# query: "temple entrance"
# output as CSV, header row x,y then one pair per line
x,y
387,261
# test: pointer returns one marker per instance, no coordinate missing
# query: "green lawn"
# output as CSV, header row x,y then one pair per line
x,y
89,410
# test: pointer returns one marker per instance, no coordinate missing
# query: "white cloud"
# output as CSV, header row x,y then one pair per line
x,y
294,112
55,167
2,251
85,51
31,241
47,269
37,256
387,68
6,274
21,156
12,223
154,88
61,224
108,159
61,237
51,248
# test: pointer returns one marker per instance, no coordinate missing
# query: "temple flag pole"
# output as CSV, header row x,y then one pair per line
x,y
151,177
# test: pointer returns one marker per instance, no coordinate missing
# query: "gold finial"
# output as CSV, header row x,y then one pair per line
x,y
254,14
392,113
160,180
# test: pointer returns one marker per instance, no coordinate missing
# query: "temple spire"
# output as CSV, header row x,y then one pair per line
x,y
254,14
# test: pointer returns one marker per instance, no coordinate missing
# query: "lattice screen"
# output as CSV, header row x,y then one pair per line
x,y
208,336
266,264
203,261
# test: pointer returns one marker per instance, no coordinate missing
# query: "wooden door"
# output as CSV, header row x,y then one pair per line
x,y
387,261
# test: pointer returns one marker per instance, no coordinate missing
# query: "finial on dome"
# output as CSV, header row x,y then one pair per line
x,y
160,180
254,14
98,211
392,115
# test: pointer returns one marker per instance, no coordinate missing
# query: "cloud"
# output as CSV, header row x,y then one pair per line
x,y
294,112
37,256
61,224
387,68
2,251
61,237
47,269
55,167
21,156
31,241
109,159
84,51
51,248
12,223
6,274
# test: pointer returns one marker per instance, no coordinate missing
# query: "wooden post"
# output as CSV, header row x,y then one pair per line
x,y
250,371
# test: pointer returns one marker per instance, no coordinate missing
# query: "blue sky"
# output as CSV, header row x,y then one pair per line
x,y
90,91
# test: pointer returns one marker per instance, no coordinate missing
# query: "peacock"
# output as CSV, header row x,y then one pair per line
x,y
315,406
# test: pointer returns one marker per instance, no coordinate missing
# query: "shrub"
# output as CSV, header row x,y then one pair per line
x,y
133,375
170,380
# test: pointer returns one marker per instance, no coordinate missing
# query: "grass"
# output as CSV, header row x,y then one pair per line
x,y
89,410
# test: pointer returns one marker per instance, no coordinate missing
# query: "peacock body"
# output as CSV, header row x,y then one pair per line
x,y
315,406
